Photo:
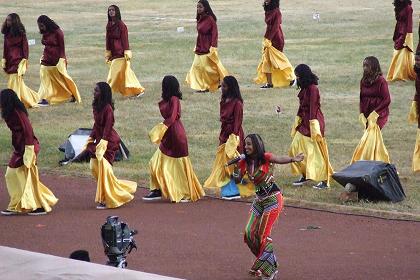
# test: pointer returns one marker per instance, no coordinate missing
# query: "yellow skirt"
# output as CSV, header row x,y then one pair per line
x,y
371,146
26,192
28,96
275,62
416,154
402,62
122,78
206,72
111,191
56,84
316,165
175,177
220,174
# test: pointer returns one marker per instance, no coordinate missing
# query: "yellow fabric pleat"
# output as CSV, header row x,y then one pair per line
x,y
175,177
28,96
401,67
371,146
56,84
206,72
298,120
416,154
157,133
122,78
275,62
413,116
316,164
26,192
110,191
220,174
247,189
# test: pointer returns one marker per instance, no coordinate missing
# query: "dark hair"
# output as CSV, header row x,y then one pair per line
x,y
259,150
399,6
117,13
50,25
306,77
9,101
170,87
17,28
104,98
374,70
233,88
273,5
81,255
207,10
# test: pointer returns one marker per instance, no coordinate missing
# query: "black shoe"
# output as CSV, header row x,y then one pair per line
x,y
43,103
153,195
321,186
292,83
73,99
202,91
101,206
266,86
9,213
300,182
38,212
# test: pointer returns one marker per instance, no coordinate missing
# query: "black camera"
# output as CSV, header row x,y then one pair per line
x,y
118,241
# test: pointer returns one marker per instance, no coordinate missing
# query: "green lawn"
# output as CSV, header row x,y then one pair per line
x,y
348,31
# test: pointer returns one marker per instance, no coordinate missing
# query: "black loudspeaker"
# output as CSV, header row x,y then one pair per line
x,y
73,147
374,180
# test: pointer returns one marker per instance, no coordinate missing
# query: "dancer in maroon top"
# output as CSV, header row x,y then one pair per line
x,y
27,194
414,116
230,140
401,67
102,145
374,111
56,84
15,59
171,173
207,71
269,71
118,55
308,132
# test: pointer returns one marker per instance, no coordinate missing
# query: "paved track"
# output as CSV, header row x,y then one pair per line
x,y
203,240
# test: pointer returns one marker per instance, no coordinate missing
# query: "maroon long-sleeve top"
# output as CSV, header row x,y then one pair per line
x,y
22,135
231,116
375,97
103,128
117,38
15,49
207,34
174,143
53,47
404,25
273,31
310,109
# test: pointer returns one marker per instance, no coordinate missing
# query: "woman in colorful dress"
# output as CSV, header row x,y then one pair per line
x,y
171,172
267,205
118,55
56,84
102,145
402,62
414,116
308,133
374,112
27,194
206,71
15,59
230,141
274,69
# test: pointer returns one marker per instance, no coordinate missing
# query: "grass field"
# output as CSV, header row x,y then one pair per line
x,y
335,46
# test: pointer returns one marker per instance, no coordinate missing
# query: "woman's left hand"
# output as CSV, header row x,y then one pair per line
x,y
299,157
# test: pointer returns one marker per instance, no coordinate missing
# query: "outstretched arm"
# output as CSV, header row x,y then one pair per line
x,y
286,159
